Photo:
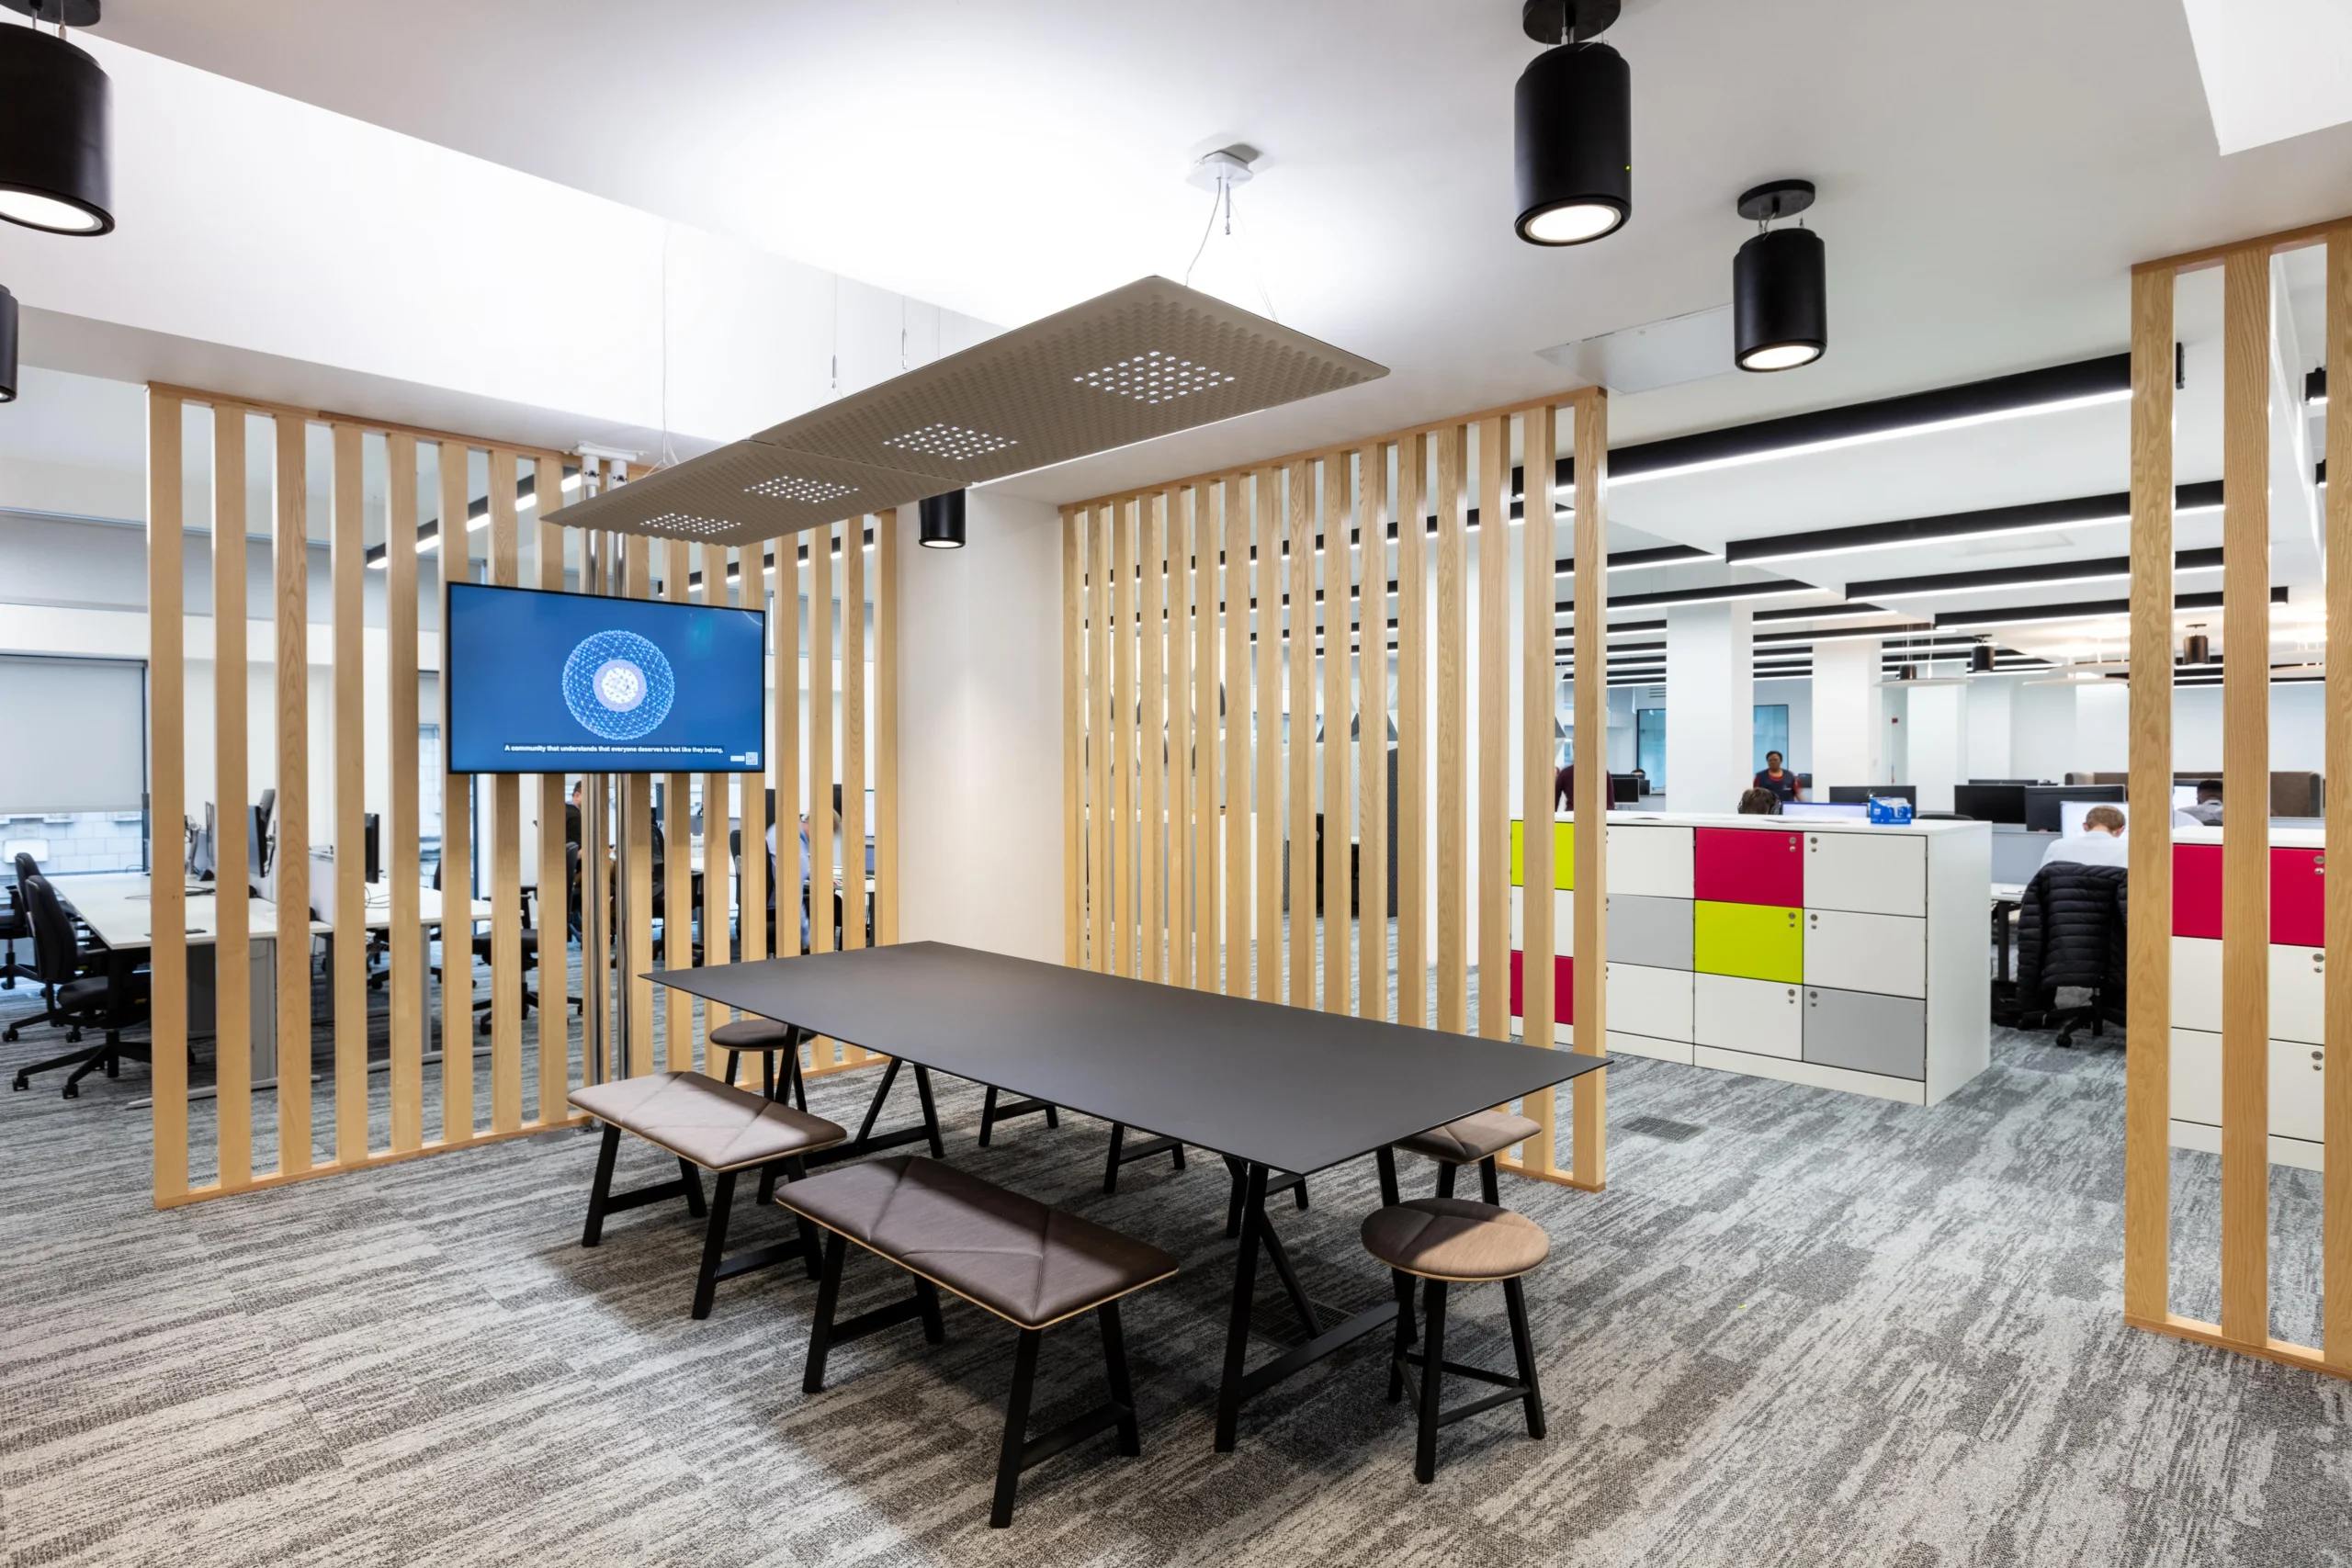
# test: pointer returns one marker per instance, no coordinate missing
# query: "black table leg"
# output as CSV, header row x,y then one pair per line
x,y
1245,1287
870,1141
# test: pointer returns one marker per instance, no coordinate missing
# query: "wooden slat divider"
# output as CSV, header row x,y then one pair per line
x,y
406,983
1412,735
1297,736
1539,678
1121,735
718,866
1493,744
505,844
1208,811
2335,1250
1074,740
1233,698
2147,1151
1176,565
821,754
457,845
1151,744
637,950
233,949
853,667
784,770
1453,860
1268,816
290,876
1589,1095
750,863
886,727
554,881
1337,829
348,555
1371,746
2245,776
167,798
676,829
1101,726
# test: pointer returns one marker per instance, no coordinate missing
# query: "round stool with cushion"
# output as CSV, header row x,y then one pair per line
x,y
1445,1242
1476,1139
769,1039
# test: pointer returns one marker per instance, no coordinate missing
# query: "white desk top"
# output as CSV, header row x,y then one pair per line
x,y
119,909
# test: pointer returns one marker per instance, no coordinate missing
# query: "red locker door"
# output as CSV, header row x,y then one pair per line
x,y
2299,898
2196,890
1740,866
1564,986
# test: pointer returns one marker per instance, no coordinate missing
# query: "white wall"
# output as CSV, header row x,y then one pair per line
x,y
2102,728
1848,715
1937,747
2041,734
981,733
1709,706
1991,705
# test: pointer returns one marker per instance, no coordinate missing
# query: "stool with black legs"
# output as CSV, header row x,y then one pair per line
x,y
1445,1242
769,1040
1477,1139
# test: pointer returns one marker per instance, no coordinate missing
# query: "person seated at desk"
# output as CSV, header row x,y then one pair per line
x,y
1775,778
2208,809
804,876
2100,843
1760,801
572,815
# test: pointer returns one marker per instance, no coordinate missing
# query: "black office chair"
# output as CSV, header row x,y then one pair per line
x,y
16,926
94,989
2072,933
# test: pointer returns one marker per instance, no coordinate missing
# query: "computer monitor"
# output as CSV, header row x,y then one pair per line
x,y
1624,789
257,825
2184,795
1861,794
374,869
265,819
2071,813
202,862
1987,802
2043,802
1824,810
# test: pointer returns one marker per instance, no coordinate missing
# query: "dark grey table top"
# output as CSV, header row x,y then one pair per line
x,y
1282,1087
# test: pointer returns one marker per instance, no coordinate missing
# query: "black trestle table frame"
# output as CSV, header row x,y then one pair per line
x,y
1280,1092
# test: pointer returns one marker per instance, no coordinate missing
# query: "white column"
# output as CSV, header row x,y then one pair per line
x,y
1939,743
1709,706
2102,728
1989,709
1848,714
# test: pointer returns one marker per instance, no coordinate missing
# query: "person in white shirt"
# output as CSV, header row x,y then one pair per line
x,y
2100,843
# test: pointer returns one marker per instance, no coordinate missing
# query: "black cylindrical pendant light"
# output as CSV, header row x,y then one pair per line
x,y
1780,283
53,134
942,518
1980,658
1575,127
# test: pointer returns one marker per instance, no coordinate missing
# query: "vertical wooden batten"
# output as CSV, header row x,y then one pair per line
x,y
348,554
1371,743
167,792
1100,730
853,668
1298,733
505,845
2148,1153
1176,566
1208,810
2335,1342
233,950
1412,734
2245,772
1267,969
1151,743
636,939
785,770
1539,445
677,829
886,727
717,865
1589,1093
1073,653
1233,706
1338,586
456,839
290,878
1493,747
405,985
1122,736
1453,860
821,774
554,882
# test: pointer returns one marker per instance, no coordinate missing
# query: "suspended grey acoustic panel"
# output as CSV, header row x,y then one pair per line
x,y
1143,361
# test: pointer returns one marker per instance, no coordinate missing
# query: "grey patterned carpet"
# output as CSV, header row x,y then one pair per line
x,y
1799,1328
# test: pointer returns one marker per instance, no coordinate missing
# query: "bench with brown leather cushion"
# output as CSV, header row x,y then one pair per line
x,y
711,1126
1029,1263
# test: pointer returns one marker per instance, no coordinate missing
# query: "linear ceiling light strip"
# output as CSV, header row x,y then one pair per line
x,y
2101,609
2033,517
2112,568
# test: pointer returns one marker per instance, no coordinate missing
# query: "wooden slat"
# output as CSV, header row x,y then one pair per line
x,y
785,774
2245,776
1073,739
1208,906
1176,565
505,846
349,559
1493,741
823,766
637,800
1412,734
852,665
405,986
1234,705
1539,679
717,812
886,727
290,878
2147,1140
677,832
233,950
1298,755
373,1161
1339,575
1371,744
457,848
2335,1340
167,799
1123,739
555,1012
750,866
1101,725
1588,1153
1152,709
1268,815
1453,858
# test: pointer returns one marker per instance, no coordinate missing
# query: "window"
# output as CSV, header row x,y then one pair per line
x,y
1649,747
1772,733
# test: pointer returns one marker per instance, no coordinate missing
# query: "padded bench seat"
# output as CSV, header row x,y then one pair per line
x,y
1029,1263
711,1126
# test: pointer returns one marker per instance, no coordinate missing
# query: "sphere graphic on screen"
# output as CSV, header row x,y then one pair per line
x,y
619,685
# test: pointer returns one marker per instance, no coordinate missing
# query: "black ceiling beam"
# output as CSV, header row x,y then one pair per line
x,y
2023,576
1990,521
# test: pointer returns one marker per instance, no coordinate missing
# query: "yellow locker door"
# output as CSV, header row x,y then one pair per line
x,y
1563,855
1757,941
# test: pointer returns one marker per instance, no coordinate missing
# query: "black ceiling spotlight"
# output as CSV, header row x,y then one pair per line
x,y
943,521
1778,284
53,124
1980,658
1575,118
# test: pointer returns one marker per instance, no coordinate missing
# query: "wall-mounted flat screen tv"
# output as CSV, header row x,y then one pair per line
x,y
541,683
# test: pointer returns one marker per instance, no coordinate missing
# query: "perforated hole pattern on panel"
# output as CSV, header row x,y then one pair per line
x,y
813,492
1155,378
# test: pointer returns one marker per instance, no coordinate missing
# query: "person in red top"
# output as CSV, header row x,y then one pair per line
x,y
1778,780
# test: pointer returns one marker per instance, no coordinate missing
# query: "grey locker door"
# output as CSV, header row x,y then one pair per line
x,y
1865,1033
1655,932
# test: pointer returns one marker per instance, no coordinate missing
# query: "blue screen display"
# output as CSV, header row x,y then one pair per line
x,y
540,683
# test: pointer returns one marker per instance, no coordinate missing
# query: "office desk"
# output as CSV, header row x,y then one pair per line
x,y
2006,898
1271,1088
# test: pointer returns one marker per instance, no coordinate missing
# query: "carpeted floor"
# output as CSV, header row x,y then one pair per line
x,y
1799,1328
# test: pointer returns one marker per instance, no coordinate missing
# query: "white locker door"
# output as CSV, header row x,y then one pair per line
x,y
1759,1016
1885,954
2195,1077
2296,1104
1564,921
2196,984
1656,1002
2298,994
1651,862
1870,874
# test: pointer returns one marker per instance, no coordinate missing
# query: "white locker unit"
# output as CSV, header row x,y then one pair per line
x,y
1621,1045
1655,1002
1886,954
2298,992
1865,873
1650,862
1765,1018
2196,984
1564,921
2298,1079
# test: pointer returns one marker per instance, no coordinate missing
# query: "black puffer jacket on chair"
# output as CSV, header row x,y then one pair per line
x,y
2072,930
